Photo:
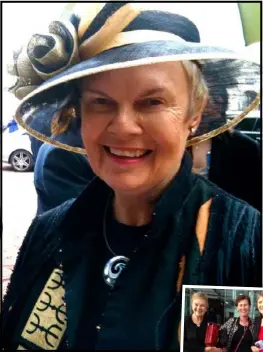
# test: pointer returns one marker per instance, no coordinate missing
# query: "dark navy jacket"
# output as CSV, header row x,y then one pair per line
x,y
144,308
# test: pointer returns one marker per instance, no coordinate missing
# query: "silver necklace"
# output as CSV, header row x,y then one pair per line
x,y
115,265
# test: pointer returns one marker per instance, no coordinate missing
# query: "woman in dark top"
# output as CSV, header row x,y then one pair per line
x,y
238,332
258,329
139,107
195,325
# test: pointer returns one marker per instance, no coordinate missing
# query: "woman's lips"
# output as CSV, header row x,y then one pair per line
x,y
127,156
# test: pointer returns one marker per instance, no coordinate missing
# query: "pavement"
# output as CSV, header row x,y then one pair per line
x,y
19,204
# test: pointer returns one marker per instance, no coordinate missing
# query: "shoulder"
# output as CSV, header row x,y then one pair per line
x,y
76,208
188,320
227,200
257,320
40,240
43,227
234,233
237,219
53,160
49,152
228,323
239,137
44,150
42,232
235,138
238,148
55,215
224,210
244,148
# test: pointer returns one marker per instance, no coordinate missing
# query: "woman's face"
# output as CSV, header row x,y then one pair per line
x,y
199,307
135,124
243,308
260,305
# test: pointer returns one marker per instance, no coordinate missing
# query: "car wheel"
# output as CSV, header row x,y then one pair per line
x,y
21,160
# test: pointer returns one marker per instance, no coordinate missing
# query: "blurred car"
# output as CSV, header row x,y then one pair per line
x,y
16,150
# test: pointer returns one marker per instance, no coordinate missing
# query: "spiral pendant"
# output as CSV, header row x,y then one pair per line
x,y
113,268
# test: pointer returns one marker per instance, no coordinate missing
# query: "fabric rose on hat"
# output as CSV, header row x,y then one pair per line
x,y
45,56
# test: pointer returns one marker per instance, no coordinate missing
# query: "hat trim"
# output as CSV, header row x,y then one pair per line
x,y
89,49
111,28
193,141
89,14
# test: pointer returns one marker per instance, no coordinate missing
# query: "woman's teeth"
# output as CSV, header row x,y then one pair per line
x,y
128,153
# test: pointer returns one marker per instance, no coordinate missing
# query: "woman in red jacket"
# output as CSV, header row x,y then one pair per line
x,y
258,335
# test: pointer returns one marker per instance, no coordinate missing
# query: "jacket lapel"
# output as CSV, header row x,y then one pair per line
x,y
75,275
78,251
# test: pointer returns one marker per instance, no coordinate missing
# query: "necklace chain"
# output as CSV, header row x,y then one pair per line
x,y
115,265
104,226
105,230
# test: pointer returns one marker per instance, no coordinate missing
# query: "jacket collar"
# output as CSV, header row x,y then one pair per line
x,y
91,203
175,194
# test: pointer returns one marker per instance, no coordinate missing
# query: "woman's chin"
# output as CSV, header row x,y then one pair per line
x,y
198,315
126,182
125,187
244,315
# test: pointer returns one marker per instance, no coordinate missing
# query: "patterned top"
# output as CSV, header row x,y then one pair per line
x,y
228,330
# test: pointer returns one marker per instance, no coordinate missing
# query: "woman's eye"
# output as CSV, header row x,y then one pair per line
x,y
153,102
100,105
101,101
150,103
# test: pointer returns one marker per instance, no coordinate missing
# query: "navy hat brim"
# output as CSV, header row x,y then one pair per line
x,y
222,68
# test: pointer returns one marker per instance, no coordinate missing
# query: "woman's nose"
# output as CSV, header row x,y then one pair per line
x,y
125,122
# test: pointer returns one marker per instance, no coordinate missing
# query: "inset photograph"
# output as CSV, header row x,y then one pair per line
x,y
222,319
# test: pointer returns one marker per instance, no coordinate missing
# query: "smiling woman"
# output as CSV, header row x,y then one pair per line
x,y
239,331
258,322
196,324
131,89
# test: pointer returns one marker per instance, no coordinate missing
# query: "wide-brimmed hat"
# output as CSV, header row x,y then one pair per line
x,y
112,36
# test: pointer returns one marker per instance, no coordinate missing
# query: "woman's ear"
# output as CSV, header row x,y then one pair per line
x,y
195,120
194,123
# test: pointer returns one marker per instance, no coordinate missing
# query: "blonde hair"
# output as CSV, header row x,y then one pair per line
x,y
200,295
260,295
198,88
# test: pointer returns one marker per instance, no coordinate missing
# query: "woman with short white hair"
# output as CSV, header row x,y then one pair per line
x,y
195,325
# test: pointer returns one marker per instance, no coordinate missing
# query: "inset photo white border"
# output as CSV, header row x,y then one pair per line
x,y
207,290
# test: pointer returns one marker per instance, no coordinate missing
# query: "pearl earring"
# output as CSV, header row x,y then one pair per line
x,y
193,130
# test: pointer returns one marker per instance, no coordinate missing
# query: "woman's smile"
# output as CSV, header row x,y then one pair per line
x,y
126,156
